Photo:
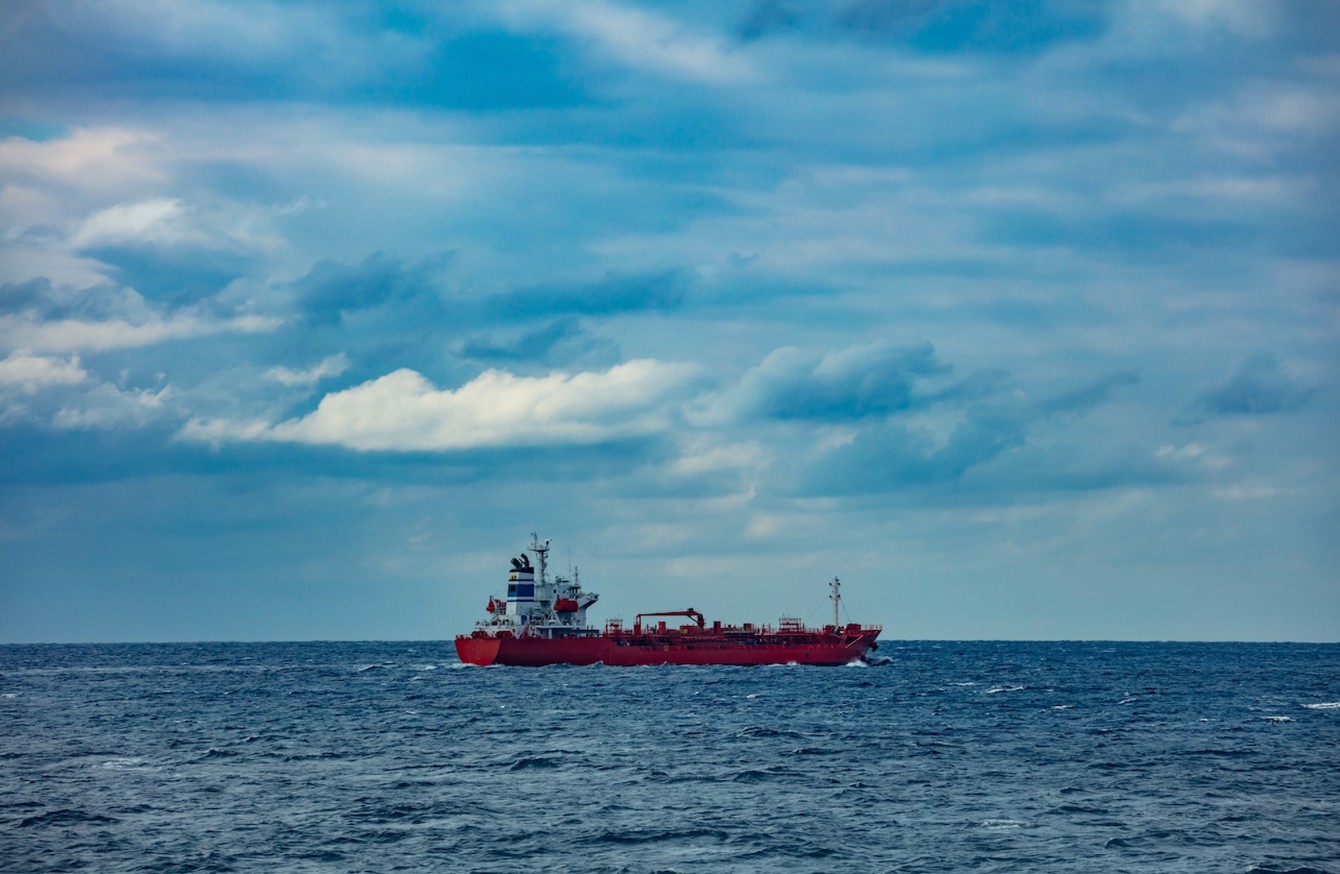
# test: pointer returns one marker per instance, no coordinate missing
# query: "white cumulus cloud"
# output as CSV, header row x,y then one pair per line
x,y
160,220
331,366
403,411
106,406
32,373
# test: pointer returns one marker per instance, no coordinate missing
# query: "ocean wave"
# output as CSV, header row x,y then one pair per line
x,y
66,816
999,824
657,836
755,775
529,763
215,753
766,731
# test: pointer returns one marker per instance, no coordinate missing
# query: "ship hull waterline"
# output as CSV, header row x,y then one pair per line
x,y
622,652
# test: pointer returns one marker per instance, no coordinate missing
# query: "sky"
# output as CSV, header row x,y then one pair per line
x,y
1020,318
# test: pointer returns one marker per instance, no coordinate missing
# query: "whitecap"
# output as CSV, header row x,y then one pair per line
x,y
126,764
117,764
10,695
997,689
1278,718
1325,705
1001,823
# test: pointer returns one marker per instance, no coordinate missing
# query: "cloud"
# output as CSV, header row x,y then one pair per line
x,y
403,411
890,457
933,26
1244,18
868,380
560,342
385,307
639,39
41,390
42,317
160,220
30,374
332,290
333,365
177,275
106,406
615,293
25,331
289,52
973,25
101,159
1089,396
1259,387
165,248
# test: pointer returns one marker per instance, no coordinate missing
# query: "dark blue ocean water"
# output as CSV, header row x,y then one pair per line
x,y
394,757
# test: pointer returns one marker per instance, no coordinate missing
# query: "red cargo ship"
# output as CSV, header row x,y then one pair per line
x,y
542,621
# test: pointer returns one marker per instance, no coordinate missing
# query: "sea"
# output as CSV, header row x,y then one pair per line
x,y
935,757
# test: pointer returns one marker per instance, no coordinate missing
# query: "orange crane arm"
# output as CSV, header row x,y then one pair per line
x,y
691,613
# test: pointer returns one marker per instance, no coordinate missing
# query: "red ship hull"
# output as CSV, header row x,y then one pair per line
x,y
685,647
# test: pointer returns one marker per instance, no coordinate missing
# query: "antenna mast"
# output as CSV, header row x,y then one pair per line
x,y
836,597
541,551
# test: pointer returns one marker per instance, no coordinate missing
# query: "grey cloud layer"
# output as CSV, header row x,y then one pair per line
x,y
735,277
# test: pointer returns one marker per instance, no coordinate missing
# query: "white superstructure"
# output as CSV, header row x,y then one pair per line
x,y
537,605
